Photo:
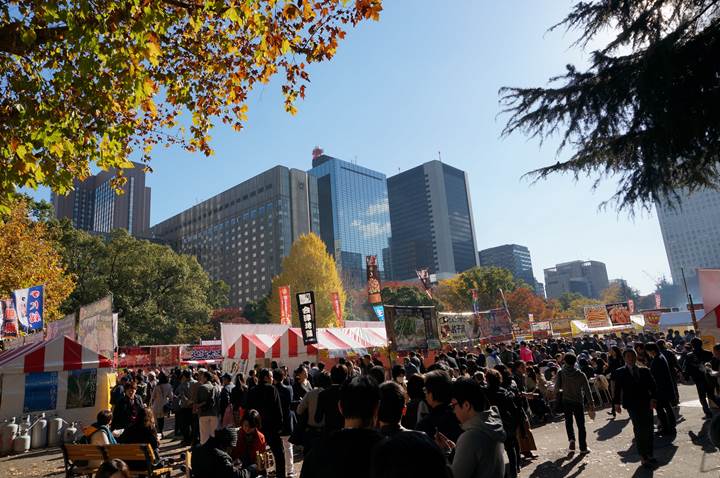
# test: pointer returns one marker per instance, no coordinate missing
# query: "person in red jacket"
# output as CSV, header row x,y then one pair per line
x,y
250,440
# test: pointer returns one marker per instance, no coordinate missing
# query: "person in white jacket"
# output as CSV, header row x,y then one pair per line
x,y
161,399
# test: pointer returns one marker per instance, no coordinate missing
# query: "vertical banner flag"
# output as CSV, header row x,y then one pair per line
x,y
379,310
285,307
20,301
306,309
29,308
424,276
658,300
631,306
337,307
475,305
8,319
373,280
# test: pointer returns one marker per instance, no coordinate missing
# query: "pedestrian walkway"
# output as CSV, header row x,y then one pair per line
x,y
614,455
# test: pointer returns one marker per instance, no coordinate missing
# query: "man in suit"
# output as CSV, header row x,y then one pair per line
x,y
665,391
265,398
635,389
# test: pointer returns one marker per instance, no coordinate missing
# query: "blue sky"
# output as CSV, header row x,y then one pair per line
x,y
425,79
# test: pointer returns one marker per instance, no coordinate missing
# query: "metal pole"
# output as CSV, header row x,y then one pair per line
x,y
690,301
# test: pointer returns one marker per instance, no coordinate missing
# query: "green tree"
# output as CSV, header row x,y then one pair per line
x,y
408,296
161,297
97,82
455,294
308,267
566,299
619,292
646,110
256,312
671,295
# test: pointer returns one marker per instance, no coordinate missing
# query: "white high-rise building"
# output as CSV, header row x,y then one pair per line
x,y
691,232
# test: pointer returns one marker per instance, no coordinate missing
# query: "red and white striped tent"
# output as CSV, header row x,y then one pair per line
x,y
58,358
337,342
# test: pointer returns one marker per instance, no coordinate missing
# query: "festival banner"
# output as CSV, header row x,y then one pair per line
x,y
495,325
95,327
62,327
619,313
562,326
424,276
200,353
8,319
373,280
454,328
306,309
658,301
652,320
81,388
165,355
41,390
411,328
29,308
379,310
337,308
132,357
631,306
285,306
541,330
596,316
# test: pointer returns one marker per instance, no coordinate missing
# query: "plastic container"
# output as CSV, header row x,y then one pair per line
x,y
39,433
55,430
8,432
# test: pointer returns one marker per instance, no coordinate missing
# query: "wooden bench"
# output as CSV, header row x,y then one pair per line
x,y
77,457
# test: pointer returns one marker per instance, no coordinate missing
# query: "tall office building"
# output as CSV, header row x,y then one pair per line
x,y
354,218
513,257
588,278
432,221
94,206
691,233
241,235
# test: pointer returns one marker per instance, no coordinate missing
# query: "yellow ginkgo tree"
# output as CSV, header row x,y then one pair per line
x,y
86,82
28,257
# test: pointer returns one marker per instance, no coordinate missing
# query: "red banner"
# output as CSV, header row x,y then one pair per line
x,y
285,306
337,308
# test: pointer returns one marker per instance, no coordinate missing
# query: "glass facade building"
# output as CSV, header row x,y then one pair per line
x,y
432,221
354,215
691,234
241,235
93,205
513,257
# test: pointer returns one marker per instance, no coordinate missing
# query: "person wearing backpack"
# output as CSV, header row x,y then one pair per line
x,y
206,407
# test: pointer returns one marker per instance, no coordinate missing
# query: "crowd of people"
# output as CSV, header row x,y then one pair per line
x,y
465,413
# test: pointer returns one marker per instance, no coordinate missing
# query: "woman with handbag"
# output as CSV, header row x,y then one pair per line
x,y
161,401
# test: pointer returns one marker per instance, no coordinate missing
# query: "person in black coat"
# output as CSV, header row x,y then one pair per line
x,y
694,367
327,411
441,419
265,399
672,362
286,397
127,408
635,389
665,390
211,460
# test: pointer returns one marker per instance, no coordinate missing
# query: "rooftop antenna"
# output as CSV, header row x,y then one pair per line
x,y
439,157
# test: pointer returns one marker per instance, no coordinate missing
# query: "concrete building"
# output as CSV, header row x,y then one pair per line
x,y
354,218
513,257
241,235
431,221
588,278
94,206
691,233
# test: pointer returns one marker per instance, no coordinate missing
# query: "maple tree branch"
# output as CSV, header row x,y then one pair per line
x,y
11,37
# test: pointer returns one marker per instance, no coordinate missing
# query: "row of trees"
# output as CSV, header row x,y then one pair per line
x,y
161,297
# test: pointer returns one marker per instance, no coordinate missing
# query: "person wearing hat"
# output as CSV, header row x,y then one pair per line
x,y
212,459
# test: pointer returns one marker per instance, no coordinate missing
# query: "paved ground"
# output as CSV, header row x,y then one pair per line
x,y
613,453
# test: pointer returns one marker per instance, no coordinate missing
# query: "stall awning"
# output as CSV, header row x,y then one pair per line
x,y
55,355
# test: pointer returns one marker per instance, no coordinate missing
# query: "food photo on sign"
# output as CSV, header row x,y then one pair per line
x,y
619,313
